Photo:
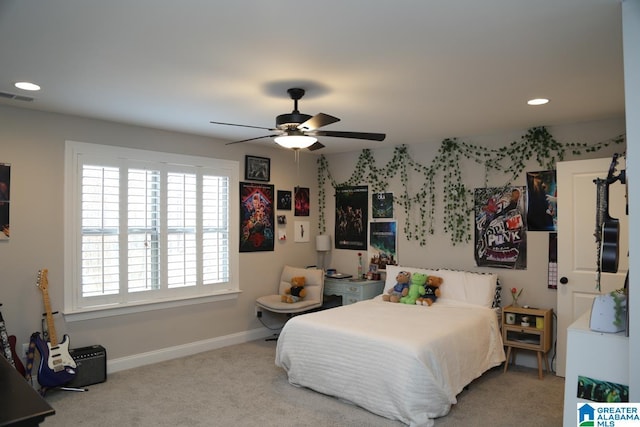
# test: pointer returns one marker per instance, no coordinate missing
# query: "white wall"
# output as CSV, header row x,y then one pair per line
x,y
33,143
438,251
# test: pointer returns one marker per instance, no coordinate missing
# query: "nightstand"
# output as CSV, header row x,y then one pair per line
x,y
353,290
536,336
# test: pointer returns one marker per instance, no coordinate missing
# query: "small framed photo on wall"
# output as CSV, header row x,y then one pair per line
x,y
257,168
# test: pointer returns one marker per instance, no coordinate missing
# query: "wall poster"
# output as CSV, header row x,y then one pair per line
x,y
500,227
552,282
382,205
383,244
542,214
302,202
256,217
284,200
5,192
301,231
352,214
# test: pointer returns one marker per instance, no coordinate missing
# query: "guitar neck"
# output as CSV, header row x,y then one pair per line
x,y
53,337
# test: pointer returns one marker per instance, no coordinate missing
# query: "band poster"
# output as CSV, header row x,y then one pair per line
x,y
352,214
256,217
383,243
500,227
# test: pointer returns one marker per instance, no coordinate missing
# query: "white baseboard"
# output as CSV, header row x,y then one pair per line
x,y
134,361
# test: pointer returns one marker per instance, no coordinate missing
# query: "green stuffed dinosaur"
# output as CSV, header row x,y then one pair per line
x,y
416,288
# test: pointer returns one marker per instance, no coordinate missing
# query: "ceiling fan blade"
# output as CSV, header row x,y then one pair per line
x,y
316,146
252,139
244,126
353,135
318,121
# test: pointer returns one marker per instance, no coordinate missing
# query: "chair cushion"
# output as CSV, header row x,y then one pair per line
x,y
274,303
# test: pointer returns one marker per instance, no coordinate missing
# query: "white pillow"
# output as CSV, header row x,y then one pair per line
x,y
472,288
393,270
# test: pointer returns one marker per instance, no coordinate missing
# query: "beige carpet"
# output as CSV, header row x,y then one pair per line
x,y
241,386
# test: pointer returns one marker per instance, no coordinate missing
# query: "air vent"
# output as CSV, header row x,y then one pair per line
x,y
8,95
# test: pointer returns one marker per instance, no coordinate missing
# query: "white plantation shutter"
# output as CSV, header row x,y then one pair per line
x,y
149,229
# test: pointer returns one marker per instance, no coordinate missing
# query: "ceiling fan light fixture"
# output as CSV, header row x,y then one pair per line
x,y
295,141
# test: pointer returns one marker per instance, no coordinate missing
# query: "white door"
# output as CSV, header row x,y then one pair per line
x,y
577,249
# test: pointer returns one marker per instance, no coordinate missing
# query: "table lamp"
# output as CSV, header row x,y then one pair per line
x,y
323,244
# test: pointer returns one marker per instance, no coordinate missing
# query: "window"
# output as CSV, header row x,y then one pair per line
x,y
147,228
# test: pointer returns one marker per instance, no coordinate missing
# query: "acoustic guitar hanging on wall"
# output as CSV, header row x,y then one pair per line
x,y
610,240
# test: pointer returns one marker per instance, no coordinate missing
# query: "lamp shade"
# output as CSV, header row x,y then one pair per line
x,y
323,243
295,141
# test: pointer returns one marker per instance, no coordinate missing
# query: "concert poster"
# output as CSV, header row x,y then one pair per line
x,y
352,215
256,217
500,227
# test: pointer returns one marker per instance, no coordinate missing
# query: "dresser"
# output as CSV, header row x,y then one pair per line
x,y
353,290
597,356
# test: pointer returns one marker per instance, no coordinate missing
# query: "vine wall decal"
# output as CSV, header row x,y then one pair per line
x,y
420,207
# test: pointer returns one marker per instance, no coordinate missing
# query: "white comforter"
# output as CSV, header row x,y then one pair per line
x,y
404,362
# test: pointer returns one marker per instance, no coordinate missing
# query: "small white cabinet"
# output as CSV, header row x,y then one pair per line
x,y
596,355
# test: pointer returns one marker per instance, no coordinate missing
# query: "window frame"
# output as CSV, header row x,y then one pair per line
x,y
79,153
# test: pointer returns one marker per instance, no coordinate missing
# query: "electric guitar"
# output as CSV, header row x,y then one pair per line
x,y
610,226
8,348
57,367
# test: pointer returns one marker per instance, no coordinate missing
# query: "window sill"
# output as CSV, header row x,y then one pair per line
x,y
118,310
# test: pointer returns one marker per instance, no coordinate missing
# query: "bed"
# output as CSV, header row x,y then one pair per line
x,y
403,362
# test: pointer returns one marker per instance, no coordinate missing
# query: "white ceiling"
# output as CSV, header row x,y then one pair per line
x,y
417,70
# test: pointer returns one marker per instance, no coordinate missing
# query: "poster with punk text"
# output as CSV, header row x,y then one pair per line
x,y
500,227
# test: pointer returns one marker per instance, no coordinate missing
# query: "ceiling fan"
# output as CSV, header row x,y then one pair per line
x,y
296,130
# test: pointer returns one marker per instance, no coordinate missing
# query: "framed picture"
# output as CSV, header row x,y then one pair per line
x,y
284,200
256,217
302,202
257,168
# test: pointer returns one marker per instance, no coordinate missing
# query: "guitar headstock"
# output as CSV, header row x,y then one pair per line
x,y
612,169
43,282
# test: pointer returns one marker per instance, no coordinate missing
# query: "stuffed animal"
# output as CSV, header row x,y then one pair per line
x,y
416,288
296,292
432,291
400,289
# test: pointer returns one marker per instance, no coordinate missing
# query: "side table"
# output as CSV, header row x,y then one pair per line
x,y
352,290
527,329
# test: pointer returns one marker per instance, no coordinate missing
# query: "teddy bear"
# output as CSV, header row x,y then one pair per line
x,y
432,291
296,292
400,289
416,288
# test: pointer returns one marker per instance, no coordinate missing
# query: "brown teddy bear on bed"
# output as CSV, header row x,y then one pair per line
x,y
296,292
400,289
432,291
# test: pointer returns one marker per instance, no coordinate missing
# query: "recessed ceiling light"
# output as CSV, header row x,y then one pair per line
x,y
27,86
538,101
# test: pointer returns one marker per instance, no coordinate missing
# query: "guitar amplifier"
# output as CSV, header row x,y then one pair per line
x,y
91,365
